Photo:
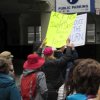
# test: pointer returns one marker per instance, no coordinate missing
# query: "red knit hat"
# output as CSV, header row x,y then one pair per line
x,y
48,51
34,61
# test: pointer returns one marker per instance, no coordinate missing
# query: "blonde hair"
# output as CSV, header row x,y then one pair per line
x,y
4,65
50,57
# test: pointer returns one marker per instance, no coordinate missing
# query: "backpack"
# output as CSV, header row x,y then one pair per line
x,y
28,86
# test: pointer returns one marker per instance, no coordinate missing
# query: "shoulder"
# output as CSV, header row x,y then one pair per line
x,y
40,74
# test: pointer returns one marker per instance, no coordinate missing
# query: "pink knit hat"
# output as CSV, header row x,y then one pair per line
x,y
48,51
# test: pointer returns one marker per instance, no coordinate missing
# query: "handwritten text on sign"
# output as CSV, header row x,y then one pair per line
x,y
59,29
79,30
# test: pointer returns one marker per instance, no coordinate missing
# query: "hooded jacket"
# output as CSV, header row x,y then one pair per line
x,y
41,93
8,89
77,96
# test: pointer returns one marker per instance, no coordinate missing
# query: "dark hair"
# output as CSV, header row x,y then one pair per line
x,y
69,85
86,77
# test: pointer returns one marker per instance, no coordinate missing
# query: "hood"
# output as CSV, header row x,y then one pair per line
x,y
27,72
6,80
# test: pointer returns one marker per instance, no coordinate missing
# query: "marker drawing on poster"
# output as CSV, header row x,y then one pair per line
x,y
78,34
59,29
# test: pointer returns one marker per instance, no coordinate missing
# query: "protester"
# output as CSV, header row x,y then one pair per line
x,y
8,89
65,88
53,66
33,82
86,80
66,68
7,55
59,52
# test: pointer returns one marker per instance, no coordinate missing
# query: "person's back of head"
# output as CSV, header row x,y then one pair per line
x,y
86,77
7,55
4,66
48,53
33,62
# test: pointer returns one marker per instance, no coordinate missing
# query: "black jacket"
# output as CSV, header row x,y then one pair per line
x,y
52,69
70,63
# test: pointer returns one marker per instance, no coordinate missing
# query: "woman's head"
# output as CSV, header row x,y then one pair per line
x,y
86,77
33,62
4,65
7,55
48,53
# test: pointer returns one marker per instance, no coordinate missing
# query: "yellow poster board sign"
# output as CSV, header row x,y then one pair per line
x,y
59,29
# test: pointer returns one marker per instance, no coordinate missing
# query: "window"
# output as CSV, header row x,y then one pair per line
x,y
90,33
34,34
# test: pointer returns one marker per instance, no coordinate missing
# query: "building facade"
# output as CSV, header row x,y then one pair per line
x,y
24,23
92,47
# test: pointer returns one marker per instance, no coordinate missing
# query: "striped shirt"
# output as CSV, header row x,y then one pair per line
x,y
61,93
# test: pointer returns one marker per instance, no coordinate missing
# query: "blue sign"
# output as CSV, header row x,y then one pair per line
x,y
75,6
72,1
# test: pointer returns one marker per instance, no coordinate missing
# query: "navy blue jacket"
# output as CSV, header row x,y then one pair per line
x,y
8,89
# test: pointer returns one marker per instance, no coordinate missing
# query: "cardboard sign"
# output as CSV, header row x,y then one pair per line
x,y
79,30
59,29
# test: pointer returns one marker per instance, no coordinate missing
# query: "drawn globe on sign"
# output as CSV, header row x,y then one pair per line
x,y
72,1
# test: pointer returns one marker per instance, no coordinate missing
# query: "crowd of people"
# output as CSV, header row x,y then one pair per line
x,y
47,72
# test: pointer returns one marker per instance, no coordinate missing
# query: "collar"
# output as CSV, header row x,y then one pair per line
x,y
91,96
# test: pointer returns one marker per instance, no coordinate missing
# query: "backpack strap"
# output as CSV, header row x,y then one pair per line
x,y
31,88
30,92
